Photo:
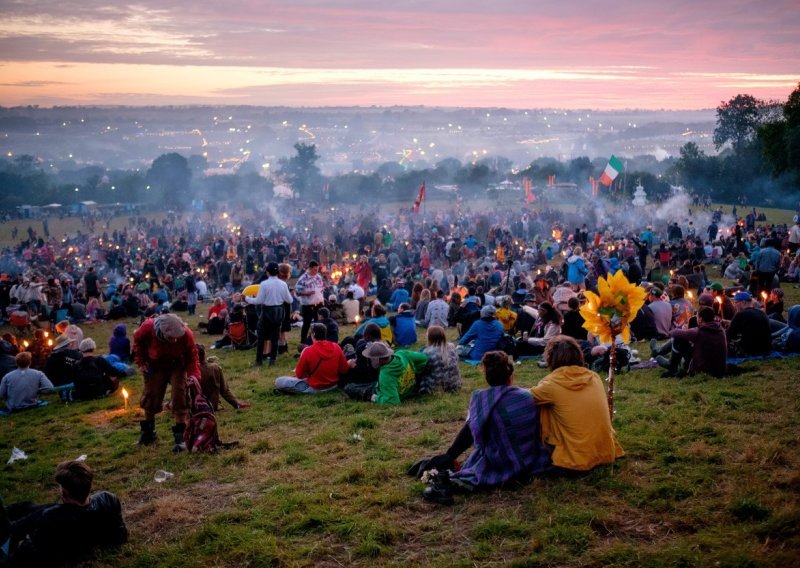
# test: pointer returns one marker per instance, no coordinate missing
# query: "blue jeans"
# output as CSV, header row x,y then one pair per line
x,y
292,385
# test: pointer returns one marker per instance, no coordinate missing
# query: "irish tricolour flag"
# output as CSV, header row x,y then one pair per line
x,y
612,171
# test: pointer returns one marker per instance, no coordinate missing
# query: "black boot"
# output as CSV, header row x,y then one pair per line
x,y
148,433
441,491
177,432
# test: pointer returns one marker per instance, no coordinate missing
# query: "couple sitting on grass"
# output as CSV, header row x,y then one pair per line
x,y
560,427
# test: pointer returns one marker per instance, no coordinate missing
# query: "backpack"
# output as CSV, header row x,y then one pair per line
x,y
201,433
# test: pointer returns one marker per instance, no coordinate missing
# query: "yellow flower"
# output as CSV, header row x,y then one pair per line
x,y
609,312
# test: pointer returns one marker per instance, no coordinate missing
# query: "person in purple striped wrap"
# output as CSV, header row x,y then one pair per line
x,y
503,428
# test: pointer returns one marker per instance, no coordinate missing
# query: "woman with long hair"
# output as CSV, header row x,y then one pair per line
x,y
442,371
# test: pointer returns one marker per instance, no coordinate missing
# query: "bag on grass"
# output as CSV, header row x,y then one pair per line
x,y
201,434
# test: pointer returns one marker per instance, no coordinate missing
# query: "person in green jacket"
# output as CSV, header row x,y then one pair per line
x,y
398,372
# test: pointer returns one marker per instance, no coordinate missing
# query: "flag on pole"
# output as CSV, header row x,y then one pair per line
x,y
529,196
612,170
420,198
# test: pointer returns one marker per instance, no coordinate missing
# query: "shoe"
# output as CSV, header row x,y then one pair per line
x,y
256,364
283,348
440,494
148,432
669,375
177,433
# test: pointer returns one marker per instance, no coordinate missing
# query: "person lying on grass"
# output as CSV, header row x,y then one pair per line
x,y
397,378
502,427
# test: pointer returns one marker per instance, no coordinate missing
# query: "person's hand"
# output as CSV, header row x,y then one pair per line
x,y
243,404
351,363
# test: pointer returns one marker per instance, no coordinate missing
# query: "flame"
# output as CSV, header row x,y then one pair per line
x,y
690,295
47,334
764,295
358,319
718,299
125,394
25,344
49,342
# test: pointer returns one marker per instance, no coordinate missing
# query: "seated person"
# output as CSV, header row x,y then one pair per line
x,y
505,315
8,361
351,308
547,326
66,532
573,321
378,317
791,341
212,381
95,377
119,344
319,368
573,411
336,309
749,330
442,371
709,346
62,364
363,372
404,327
497,416
562,295
482,336
21,386
397,376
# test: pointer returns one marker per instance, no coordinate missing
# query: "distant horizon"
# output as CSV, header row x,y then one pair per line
x,y
682,55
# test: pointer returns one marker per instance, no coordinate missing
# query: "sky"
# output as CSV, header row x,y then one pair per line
x,y
583,54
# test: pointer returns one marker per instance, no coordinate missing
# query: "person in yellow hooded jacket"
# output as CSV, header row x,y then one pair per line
x,y
573,411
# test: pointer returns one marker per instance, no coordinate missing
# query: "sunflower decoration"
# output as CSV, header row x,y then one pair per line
x,y
609,313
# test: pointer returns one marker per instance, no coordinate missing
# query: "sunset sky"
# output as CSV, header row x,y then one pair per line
x,y
674,54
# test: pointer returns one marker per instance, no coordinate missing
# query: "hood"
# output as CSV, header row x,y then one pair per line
x,y
572,377
326,349
712,327
120,330
406,314
573,259
793,318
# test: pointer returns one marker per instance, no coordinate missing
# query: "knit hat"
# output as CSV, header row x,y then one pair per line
x,y
88,344
742,297
488,312
169,326
705,300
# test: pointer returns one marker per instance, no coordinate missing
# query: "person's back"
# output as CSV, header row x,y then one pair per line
x,y
750,329
573,325
437,312
405,328
321,364
21,386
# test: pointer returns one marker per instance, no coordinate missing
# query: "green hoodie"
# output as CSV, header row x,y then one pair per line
x,y
397,378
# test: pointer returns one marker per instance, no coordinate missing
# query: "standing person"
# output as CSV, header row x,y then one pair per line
x,y
308,289
273,294
576,269
766,265
165,351
90,284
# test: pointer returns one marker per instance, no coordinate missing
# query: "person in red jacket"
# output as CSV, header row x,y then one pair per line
x,y
165,351
319,367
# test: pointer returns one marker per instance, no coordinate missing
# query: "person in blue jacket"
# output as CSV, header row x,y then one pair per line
x,y
399,296
483,335
404,326
576,269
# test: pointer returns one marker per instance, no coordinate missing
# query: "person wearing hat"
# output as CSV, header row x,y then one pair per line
x,y
749,330
164,349
482,336
397,377
309,290
273,294
320,366
723,306
95,376
62,365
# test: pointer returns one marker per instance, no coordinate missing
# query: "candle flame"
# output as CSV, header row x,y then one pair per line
x,y
25,344
49,342
764,295
125,394
690,295
718,299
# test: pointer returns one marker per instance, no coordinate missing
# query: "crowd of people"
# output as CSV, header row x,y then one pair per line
x,y
508,284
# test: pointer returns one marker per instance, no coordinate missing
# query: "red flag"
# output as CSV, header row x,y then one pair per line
x,y
419,199
529,196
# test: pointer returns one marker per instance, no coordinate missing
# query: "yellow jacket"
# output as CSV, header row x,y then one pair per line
x,y
573,411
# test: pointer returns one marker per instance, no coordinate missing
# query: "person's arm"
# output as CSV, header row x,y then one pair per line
x,y
302,369
687,334
462,442
44,382
543,393
224,389
471,334
387,392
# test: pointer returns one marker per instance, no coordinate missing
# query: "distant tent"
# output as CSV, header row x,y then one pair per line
x,y
52,206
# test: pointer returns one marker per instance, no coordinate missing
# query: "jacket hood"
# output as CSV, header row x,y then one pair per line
x,y
120,330
712,327
572,377
793,318
326,349
573,259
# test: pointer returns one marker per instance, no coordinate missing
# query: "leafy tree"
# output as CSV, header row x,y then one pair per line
x,y
737,121
695,170
301,171
169,178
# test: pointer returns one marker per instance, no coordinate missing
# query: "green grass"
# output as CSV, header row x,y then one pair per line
x,y
710,477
